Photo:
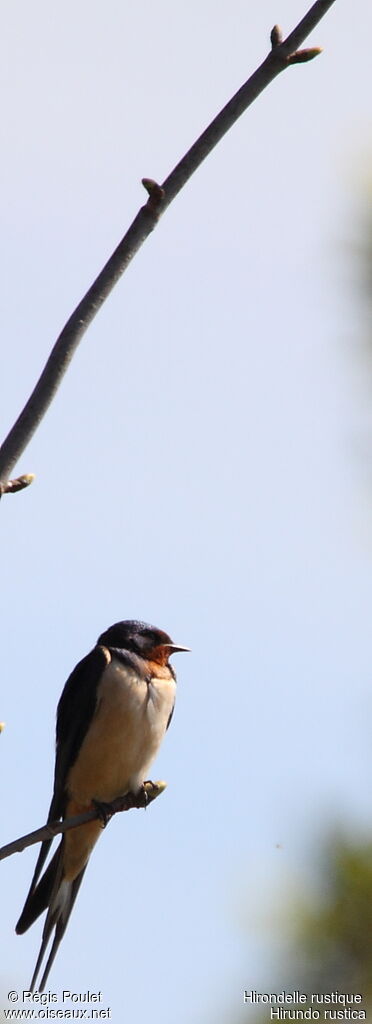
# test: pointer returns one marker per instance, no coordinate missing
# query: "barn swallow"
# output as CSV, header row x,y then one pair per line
x,y
111,718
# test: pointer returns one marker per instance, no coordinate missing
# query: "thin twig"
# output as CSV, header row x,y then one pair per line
x,y
18,484
150,791
282,55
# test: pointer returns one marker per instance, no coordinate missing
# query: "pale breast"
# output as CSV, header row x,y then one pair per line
x,y
124,736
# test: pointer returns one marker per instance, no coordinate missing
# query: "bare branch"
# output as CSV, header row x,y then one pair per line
x,y
149,792
281,56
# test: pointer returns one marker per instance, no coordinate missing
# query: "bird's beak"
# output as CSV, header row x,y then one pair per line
x,y
174,647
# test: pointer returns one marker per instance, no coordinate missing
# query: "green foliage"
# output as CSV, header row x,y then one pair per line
x,y
334,936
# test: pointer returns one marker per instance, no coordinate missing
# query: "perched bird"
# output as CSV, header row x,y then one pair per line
x,y
111,718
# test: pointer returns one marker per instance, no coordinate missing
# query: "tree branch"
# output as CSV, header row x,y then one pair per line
x,y
149,792
282,55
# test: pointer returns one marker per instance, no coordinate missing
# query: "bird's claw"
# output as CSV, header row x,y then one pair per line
x,y
151,785
104,811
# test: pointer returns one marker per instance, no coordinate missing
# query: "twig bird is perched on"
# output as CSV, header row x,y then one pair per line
x,y
111,719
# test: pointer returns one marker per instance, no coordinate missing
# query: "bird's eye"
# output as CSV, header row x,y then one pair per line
x,y
143,641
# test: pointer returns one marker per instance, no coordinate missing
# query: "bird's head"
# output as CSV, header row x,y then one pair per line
x,y
140,638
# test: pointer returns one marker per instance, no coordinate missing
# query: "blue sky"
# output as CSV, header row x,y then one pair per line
x,y
201,468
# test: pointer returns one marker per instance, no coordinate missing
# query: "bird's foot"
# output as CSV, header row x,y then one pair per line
x,y
104,811
146,786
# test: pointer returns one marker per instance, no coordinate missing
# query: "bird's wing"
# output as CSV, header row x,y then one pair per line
x,y
75,711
